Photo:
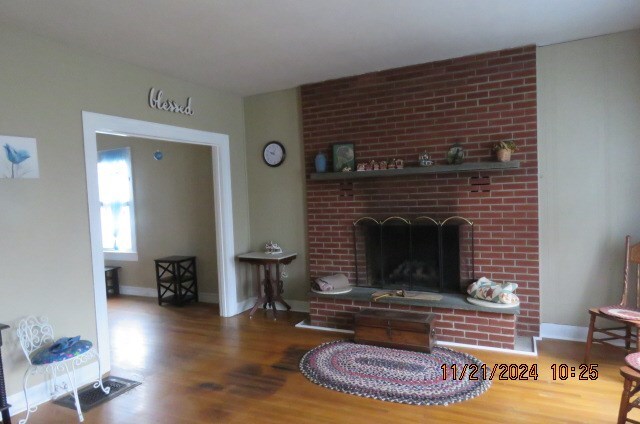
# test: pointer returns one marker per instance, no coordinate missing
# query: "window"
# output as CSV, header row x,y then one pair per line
x,y
116,204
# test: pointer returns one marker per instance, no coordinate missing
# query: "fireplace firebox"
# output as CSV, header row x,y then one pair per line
x,y
422,254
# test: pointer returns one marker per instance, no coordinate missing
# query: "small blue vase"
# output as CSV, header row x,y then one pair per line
x,y
321,162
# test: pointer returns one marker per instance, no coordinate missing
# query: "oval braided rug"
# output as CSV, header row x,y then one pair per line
x,y
391,374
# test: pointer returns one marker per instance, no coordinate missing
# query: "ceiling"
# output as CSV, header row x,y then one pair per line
x,y
255,46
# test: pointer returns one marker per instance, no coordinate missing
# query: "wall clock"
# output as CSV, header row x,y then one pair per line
x,y
273,153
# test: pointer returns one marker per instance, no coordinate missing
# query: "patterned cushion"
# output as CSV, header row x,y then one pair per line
x,y
61,350
486,289
484,281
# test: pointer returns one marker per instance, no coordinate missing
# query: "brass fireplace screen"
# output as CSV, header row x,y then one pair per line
x,y
421,254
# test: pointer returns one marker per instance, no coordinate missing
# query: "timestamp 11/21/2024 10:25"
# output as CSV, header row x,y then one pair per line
x,y
561,372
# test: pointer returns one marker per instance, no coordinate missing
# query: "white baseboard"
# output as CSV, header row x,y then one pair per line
x,y
489,348
149,292
138,291
569,332
305,324
243,305
299,305
296,305
208,297
547,331
39,393
563,332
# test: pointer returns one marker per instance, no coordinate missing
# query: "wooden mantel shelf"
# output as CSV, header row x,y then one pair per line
x,y
435,169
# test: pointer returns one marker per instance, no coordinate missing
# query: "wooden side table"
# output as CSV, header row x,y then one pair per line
x,y
177,280
112,280
273,288
4,406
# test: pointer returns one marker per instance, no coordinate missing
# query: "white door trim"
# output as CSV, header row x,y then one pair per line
x,y
94,123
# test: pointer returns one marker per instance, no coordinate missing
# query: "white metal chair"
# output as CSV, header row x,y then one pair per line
x,y
36,334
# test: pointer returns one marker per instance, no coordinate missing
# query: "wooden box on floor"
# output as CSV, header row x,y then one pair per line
x,y
396,329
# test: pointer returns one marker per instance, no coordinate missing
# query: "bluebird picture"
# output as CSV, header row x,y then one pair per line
x,y
18,157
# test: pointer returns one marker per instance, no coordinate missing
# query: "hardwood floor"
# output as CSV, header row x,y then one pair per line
x,y
200,368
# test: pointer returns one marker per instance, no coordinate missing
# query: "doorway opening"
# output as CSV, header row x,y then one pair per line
x,y
94,124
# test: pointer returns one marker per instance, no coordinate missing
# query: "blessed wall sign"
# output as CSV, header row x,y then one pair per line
x,y
156,101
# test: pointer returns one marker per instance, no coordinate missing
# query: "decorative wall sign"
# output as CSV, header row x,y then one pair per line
x,y
157,102
19,157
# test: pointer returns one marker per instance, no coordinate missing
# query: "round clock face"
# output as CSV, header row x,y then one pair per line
x,y
273,153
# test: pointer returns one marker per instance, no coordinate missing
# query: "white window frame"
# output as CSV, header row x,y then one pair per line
x,y
125,255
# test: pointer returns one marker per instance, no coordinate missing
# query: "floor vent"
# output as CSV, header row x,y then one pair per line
x,y
90,397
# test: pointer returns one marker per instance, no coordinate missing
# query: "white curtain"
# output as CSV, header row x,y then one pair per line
x,y
115,198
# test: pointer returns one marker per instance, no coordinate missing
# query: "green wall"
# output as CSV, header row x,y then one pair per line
x,y
589,147
46,255
277,194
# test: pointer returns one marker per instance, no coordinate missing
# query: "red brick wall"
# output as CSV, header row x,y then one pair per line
x,y
452,325
474,100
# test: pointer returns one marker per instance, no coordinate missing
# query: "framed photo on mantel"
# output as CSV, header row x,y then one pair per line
x,y
344,158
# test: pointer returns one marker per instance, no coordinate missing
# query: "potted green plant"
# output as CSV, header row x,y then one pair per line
x,y
504,149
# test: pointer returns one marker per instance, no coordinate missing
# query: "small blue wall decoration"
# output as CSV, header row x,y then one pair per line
x,y
20,159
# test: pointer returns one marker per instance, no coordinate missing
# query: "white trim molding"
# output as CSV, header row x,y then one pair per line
x,y
563,332
138,291
570,332
208,297
203,297
305,324
93,123
296,305
121,256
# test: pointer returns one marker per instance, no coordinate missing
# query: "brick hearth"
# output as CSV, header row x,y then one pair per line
x,y
493,329
474,100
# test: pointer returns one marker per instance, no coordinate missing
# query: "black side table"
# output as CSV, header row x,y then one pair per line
x,y
177,280
112,280
4,406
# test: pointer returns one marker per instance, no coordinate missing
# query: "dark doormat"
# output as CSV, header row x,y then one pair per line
x,y
90,397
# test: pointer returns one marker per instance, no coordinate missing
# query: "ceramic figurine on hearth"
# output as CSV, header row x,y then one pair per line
x,y
375,165
383,164
361,166
399,163
391,164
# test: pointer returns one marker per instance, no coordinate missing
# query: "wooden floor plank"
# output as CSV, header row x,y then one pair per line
x,y
200,368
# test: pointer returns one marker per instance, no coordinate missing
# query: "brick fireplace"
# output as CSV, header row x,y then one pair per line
x,y
399,113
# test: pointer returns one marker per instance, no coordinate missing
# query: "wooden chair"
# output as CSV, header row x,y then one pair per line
x,y
631,388
632,255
